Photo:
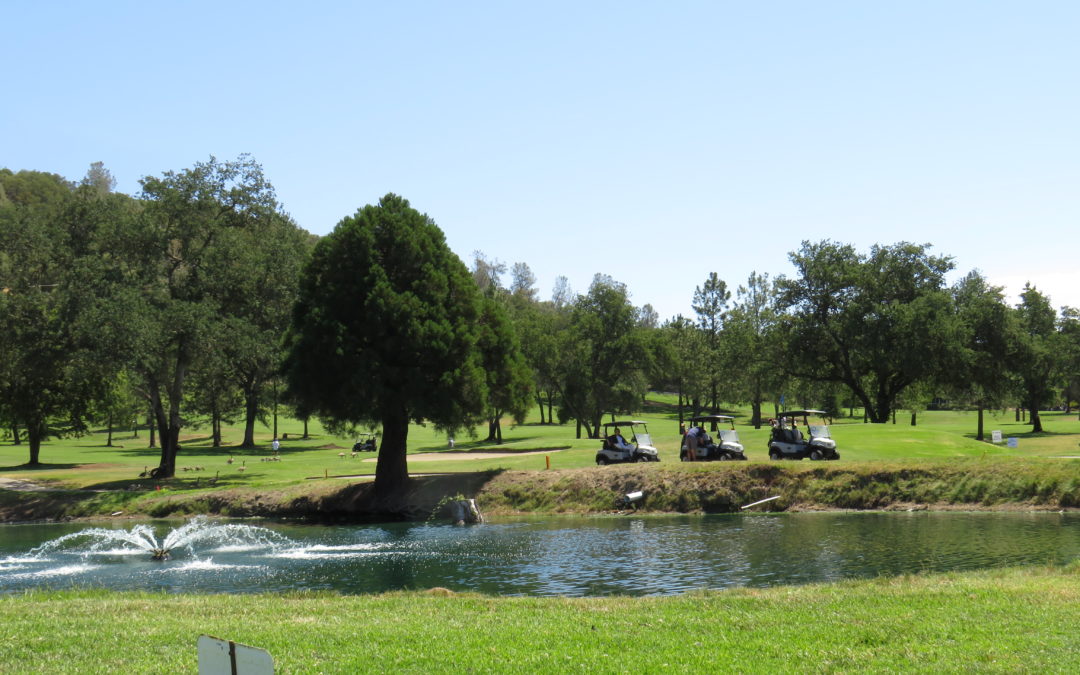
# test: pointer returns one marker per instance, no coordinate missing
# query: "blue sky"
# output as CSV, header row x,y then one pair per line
x,y
654,142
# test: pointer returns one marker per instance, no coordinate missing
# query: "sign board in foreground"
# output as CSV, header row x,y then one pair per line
x,y
995,435
225,657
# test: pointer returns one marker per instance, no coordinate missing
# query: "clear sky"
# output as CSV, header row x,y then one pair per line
x,y
655,142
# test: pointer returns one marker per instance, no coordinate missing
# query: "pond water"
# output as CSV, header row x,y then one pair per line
x,y
552,556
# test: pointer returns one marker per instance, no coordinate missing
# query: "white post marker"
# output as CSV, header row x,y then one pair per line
x,y
995,435
225,657
767,499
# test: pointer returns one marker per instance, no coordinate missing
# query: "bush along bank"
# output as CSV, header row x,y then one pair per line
x,y
1042,484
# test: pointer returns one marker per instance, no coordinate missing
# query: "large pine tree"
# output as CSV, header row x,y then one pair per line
x,y
386,331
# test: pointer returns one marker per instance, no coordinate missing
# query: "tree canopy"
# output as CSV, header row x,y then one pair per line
x,y
877,323
387,330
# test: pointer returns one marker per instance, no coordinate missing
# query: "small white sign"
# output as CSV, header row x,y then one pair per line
x,y
1014,442
995,435
225,657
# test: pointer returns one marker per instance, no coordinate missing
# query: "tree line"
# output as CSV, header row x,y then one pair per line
x,y
199,301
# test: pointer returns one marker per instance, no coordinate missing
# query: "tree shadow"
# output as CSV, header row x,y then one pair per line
x,y
1018,434
39,467
177,483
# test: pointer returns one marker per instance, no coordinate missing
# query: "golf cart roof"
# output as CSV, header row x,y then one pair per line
x,y
711,418
628,423
801,413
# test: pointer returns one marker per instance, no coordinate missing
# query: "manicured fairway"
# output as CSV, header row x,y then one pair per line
x,y
86,463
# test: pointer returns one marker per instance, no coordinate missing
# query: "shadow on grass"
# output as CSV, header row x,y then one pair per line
x,y
143,485
224,452
481,443
496,449
1020,434
39,467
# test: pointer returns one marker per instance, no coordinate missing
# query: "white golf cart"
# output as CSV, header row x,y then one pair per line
x,y
365,443
788,442
729,446
637,448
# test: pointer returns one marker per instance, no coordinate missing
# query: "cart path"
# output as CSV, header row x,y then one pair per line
x,y
452,455
20,485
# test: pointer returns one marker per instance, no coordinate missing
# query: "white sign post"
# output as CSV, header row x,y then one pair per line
x,y
225,657
995,435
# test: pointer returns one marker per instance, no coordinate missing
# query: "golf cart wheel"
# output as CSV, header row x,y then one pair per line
x,y
775,454
815,455
724,457
601,461
682,457
835,455
741,456
638,458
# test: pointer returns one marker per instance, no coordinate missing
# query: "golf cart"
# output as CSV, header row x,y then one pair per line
x,y
788,442
365,443
638,448
729,446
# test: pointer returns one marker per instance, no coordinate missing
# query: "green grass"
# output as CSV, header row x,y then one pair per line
x,y
108,477
1004,621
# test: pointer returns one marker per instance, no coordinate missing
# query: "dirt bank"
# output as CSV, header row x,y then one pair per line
x,y
706,488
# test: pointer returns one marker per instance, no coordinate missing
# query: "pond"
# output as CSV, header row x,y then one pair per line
x,y
541,557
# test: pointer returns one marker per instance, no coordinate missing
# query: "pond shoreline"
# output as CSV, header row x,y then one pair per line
x,y
971,485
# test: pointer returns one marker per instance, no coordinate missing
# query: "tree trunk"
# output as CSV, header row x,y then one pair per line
x,y
153,426
16,439
494,428
979,433
540,405
305,427
392,469
251,411
169,427
913,419
162,426
35,433
215,425
550,404
879,412
1036,420
275,404
108,425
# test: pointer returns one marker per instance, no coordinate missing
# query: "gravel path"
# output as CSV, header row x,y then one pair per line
x,y
20,485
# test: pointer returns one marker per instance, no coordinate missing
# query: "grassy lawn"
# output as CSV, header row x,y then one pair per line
x,y
85,462
990,621
997,621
